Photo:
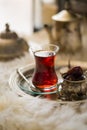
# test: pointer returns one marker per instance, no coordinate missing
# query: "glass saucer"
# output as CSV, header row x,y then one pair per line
x,y
21,87
31,89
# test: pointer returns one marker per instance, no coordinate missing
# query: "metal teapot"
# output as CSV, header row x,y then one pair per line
x,y
66,31
11,45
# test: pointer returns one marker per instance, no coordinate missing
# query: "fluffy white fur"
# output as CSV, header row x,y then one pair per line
x,y
29,113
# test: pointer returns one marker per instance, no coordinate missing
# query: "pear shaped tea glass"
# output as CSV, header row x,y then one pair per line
x,y
44,77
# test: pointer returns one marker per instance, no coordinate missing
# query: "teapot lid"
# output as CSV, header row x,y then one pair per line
x,y
8,34
64,16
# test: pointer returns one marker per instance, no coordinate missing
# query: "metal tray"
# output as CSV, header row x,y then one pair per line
x,y
21,88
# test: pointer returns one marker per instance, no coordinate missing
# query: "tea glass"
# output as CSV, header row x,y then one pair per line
x,y
44,77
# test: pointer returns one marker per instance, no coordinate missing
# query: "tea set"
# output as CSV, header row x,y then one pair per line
x,y
44,80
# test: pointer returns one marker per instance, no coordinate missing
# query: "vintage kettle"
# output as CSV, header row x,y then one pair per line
x,y
11,45
65,31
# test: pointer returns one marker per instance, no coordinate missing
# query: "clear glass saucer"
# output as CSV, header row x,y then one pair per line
x,y
20,86
31,89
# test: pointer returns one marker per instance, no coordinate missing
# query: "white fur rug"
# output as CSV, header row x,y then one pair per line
x,y
30,113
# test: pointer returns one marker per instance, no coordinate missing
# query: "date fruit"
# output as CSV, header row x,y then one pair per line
x,y
74,74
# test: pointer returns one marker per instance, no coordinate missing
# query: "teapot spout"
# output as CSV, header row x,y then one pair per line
x,y
48,29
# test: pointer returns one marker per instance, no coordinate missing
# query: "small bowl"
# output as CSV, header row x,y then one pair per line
x,y
73,90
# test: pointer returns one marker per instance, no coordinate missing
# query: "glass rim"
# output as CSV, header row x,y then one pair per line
x,y
57,47
44,45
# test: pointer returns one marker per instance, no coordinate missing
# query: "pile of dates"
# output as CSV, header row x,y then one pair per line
x,y
74,85
74,74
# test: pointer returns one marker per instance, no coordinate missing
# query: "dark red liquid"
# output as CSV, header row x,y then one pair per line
x,y
44,75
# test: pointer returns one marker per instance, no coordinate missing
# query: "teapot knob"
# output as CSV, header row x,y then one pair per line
x,y
7,27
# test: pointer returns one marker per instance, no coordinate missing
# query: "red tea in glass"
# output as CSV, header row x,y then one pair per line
x,y
45,77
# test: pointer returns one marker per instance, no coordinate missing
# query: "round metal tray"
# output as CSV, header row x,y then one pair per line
x,y
20,87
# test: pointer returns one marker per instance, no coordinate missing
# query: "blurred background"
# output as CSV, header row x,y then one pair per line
x,y
65,20
24,16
